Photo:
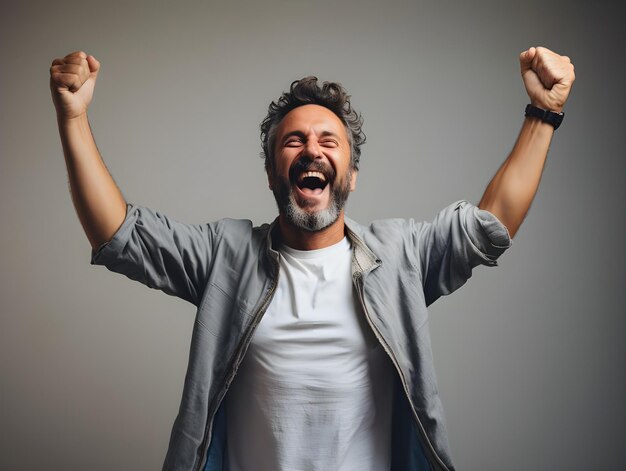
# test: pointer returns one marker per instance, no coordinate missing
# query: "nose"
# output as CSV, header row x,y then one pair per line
x,y
312,149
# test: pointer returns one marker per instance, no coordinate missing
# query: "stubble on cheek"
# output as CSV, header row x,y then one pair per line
x,y
281,193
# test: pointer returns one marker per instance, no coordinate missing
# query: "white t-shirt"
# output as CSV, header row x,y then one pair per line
x,y
314,389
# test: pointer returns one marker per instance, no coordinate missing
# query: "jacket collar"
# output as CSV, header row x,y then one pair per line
x,y
363,260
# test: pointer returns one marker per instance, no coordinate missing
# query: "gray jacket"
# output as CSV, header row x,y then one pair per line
x,y
229,270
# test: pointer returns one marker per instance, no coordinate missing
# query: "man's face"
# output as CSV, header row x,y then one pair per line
x,y
311,176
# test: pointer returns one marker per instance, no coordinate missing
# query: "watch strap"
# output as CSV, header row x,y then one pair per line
x,y
547,116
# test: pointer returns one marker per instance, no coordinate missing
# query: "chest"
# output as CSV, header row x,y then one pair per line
x,y
315,321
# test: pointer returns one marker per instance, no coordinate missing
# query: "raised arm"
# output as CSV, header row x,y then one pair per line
x,y
548,78
99,203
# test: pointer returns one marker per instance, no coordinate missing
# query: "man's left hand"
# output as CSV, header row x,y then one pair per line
x,y
548,77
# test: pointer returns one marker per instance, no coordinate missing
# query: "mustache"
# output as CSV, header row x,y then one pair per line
x,y
308,165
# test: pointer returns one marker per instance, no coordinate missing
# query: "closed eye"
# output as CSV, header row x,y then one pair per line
x,y
293,142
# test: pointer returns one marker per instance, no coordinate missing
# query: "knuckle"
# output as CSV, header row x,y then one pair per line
x,y
58,77
76,54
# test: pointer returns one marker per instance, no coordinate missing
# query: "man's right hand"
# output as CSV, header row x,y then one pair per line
x,y
99,204
72,81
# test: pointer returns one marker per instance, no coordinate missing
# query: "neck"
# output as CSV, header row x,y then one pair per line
x,y
301,239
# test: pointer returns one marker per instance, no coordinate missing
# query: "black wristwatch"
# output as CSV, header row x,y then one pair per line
x,y
550,117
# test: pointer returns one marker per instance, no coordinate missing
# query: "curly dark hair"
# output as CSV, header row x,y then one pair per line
x,y
306,91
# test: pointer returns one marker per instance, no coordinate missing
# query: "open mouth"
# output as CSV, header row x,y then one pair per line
x,y
312,182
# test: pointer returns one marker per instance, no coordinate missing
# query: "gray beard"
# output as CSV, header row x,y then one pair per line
x,y
311,221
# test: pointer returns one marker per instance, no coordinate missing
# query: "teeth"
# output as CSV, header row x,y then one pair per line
x,y
312,174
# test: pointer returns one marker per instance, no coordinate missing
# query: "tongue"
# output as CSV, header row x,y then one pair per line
x,y
311,191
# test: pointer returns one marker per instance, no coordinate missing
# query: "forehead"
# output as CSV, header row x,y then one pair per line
x,y
307,118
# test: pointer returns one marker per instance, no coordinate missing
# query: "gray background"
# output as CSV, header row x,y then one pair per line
x,y
529,354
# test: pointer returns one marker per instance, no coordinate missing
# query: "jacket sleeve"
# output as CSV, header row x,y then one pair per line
x,y
159,252
460,237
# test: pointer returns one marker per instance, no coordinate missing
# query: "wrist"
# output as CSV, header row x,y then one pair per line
x,y
74,126
67,121
544,115
555,108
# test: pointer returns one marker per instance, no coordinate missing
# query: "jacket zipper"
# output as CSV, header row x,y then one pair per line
x,y
238,356
358,279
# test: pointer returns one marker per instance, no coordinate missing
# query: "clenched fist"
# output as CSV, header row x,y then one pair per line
x,y
548,77
72,81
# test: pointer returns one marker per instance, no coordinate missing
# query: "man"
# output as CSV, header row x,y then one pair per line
x,y
310,348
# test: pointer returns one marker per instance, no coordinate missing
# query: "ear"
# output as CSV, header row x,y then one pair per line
x,y
353,180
